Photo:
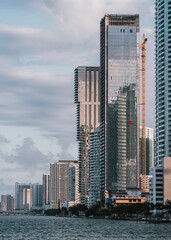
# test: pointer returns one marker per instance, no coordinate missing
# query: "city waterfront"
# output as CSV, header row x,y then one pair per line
x,y
39,227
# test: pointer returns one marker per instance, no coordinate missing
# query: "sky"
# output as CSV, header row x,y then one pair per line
x,y
41,43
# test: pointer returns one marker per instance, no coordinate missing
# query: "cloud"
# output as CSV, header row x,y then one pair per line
x,y
28,156
35,98
4,140
6,188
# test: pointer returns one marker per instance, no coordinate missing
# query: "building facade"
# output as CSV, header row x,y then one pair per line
x,y
94,168
163,80
36,196
61,183
119,60
87,99
149,150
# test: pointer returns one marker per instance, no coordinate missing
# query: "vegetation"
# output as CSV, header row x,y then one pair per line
x,y
110,210
75,210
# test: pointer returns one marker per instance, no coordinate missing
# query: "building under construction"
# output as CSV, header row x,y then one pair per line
x,y
119,147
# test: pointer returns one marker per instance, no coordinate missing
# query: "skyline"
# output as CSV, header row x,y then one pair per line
x,y
37,80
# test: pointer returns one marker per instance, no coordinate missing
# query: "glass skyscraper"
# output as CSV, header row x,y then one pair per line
x,y
119,53
163,80
87,99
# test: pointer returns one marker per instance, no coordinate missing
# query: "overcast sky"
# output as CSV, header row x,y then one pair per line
x,y
41,42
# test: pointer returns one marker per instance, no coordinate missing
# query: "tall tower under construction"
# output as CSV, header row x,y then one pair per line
x,y
119,144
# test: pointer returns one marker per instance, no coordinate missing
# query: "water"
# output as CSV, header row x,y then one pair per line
x,y
38,227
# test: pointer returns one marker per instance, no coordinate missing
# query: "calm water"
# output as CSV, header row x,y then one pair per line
x,y
26,227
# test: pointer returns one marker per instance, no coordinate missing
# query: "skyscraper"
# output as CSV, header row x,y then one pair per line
x,y
87,99
119,60
163,80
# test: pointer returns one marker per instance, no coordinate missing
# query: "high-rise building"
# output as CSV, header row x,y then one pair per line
x,y
36,196
87,99
19,193
94,168
149,150
119,61
61,183
163,80
46,190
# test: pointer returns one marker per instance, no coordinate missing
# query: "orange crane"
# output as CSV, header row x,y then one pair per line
x,y
143,48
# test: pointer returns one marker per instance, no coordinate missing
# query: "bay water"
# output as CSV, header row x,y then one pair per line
x,y
41,227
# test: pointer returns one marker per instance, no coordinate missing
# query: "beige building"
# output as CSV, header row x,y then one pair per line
x,y
167,178
160,183
63,182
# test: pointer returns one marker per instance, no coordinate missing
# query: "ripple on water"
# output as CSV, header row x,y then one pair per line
x,y
52,228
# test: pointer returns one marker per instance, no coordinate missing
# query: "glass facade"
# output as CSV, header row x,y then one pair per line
x,y
94,168
119,102
163,80
87,99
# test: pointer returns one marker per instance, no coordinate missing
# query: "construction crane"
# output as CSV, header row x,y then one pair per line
x,y
143,48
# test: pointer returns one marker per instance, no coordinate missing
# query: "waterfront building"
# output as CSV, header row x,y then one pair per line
x,y
94,168
156,185
19,193
149,150
61,182
36,196
160,182
119,60
7,202
167,179
87,99
46,190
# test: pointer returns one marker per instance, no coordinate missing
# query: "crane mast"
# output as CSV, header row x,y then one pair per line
x,y
143,49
